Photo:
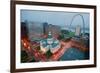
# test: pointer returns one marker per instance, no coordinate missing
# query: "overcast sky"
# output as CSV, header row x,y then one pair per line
x,y
55,18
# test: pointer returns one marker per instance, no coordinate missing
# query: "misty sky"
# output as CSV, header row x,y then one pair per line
x,y
55,18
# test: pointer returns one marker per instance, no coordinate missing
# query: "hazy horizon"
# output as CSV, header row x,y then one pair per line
x,y
56,18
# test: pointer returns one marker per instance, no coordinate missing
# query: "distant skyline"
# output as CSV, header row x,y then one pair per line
x,y
56,18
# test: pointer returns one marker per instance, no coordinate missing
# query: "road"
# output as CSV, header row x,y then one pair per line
x,y
65,45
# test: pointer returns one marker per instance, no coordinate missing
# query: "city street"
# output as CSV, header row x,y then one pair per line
x,y
65,45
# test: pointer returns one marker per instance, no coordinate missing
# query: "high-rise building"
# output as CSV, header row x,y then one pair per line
x,y
78,30
24,30
35,30
45,28
55,30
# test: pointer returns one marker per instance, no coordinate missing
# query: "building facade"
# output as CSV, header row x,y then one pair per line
x,y
49,44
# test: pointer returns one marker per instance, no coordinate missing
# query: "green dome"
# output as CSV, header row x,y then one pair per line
x,y
50,43
49,35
